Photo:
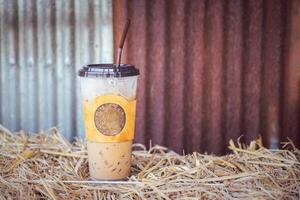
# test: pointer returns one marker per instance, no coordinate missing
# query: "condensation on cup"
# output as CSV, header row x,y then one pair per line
x,y
109,104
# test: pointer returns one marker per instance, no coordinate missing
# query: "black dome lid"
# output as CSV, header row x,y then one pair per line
x,y
108,70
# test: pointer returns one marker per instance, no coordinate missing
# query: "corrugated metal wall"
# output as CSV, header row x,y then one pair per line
x,y
210,71
43,44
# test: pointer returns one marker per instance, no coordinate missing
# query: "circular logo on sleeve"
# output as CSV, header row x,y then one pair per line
x,y
109,119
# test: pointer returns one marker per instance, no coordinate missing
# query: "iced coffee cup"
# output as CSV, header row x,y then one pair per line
x,y
109,103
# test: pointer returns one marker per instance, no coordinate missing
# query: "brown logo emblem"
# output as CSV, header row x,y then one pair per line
x,y
110,119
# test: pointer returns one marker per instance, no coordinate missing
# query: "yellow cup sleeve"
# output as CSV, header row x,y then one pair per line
x,y
109,118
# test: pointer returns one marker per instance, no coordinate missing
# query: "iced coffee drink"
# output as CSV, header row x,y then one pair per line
x,y
109,103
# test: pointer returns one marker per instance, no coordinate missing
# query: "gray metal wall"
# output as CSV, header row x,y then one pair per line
x,y
43,44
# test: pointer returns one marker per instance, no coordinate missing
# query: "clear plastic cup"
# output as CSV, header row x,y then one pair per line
x,y
109,103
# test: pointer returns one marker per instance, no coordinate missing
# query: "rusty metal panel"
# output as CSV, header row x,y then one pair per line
x,y
291,86
43,44
210,71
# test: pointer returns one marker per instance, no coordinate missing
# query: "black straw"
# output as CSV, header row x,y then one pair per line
x,y
122,41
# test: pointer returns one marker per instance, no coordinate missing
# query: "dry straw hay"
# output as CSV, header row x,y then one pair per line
x,y
46,166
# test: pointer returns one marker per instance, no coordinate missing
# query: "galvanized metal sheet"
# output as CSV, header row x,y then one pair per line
x,y
210,71
43,44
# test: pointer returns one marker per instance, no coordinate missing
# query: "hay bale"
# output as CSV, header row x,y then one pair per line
x,y
46,166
